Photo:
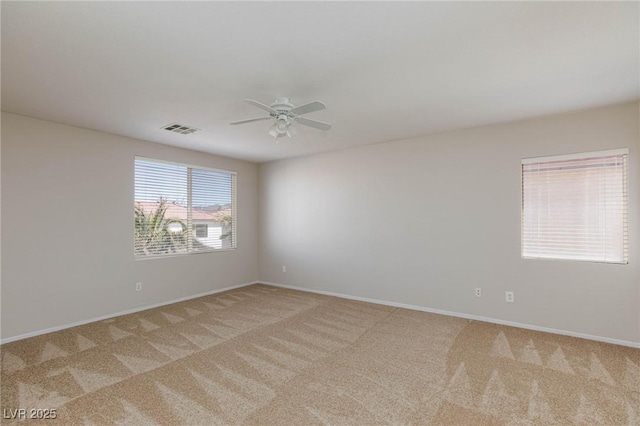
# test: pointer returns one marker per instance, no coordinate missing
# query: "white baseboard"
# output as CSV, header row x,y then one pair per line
x,y
117,314
330,293
462,315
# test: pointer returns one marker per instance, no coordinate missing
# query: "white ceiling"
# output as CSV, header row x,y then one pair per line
x,y
386,70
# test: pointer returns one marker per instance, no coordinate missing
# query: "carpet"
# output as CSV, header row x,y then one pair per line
x,y
262,355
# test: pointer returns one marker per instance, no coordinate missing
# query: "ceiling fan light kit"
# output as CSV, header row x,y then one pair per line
x,y
286,114
281,127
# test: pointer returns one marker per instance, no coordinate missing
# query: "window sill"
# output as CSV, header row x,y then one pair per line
x,y
603,262
194,253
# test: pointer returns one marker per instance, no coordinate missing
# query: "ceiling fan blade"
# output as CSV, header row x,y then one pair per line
x,y
261,106
251,120
313,123
307,108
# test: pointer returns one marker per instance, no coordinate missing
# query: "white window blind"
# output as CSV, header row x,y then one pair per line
x,y
182,209
575,207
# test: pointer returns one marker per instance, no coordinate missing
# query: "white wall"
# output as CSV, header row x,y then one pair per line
x,y
67,222
423,221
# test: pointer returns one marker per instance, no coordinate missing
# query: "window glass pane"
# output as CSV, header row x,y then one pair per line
x,y
212,207
160,208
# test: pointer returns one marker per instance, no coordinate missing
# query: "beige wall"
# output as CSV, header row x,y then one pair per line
x,y
424,221
67,228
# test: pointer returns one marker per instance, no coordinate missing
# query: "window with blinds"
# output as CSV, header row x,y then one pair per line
x,y
180,209
576,207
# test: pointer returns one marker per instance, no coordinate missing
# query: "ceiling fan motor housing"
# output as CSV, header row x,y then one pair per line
x,y
282,105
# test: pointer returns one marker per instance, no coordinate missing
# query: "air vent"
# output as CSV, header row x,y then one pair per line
x,y
180,128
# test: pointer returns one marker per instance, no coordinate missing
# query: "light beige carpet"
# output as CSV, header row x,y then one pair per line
x,y
264,355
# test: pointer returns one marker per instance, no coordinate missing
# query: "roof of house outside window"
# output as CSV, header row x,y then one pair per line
x,y
176,211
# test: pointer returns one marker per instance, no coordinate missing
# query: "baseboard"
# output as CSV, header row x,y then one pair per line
x,y
117,314
462,315
334,294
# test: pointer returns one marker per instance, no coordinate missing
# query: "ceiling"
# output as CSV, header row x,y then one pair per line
x,y
385,70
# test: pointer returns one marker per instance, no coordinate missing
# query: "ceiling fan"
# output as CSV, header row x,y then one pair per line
x,y
285,113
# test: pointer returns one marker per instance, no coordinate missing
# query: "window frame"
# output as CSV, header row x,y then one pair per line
x,y
569,157
234,204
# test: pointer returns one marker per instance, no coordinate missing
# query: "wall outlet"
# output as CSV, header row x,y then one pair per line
x,y
478,292
284,268
509,297
138,286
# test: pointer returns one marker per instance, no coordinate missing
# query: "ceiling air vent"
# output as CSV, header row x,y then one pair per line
x,y
180,128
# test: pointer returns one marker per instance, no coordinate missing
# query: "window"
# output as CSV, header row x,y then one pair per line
x,y
181,209
202,231
575,207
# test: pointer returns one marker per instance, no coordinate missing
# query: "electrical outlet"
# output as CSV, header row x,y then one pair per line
x,y
284,268
478,292
138,286
509,297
